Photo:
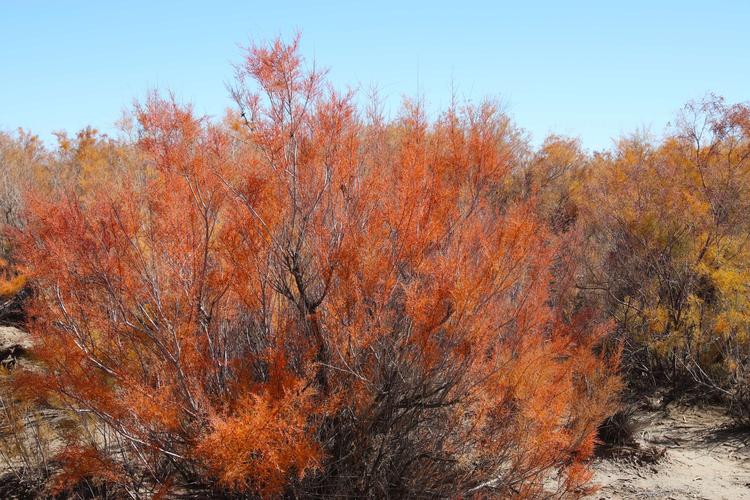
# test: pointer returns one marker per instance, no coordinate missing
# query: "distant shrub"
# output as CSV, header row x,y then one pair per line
x,y
667,258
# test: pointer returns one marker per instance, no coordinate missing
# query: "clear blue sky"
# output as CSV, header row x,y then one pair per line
x,y
589,69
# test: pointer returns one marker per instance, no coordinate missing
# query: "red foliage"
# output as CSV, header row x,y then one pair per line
x,y
309,300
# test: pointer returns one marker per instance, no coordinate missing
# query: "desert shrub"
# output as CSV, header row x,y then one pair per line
x,y
620,428
311,301
738,396
666,225
22,155
739,403
28,168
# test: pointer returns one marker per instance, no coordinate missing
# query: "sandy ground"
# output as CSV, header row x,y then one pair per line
x,y
703,458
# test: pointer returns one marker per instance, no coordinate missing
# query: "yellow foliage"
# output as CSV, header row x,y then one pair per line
x,y
658,318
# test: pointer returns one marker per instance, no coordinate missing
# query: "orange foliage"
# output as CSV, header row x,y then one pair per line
x,y
81,464
314,301
11,281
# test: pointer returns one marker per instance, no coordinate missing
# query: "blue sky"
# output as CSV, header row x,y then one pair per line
x,y
589,69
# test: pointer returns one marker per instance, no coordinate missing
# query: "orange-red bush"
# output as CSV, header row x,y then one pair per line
x,y
312,301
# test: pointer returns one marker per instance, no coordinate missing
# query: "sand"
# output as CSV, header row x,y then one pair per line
x,y
703,458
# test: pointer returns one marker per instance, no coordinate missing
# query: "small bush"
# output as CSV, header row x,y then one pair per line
x,y
739,400
620,429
